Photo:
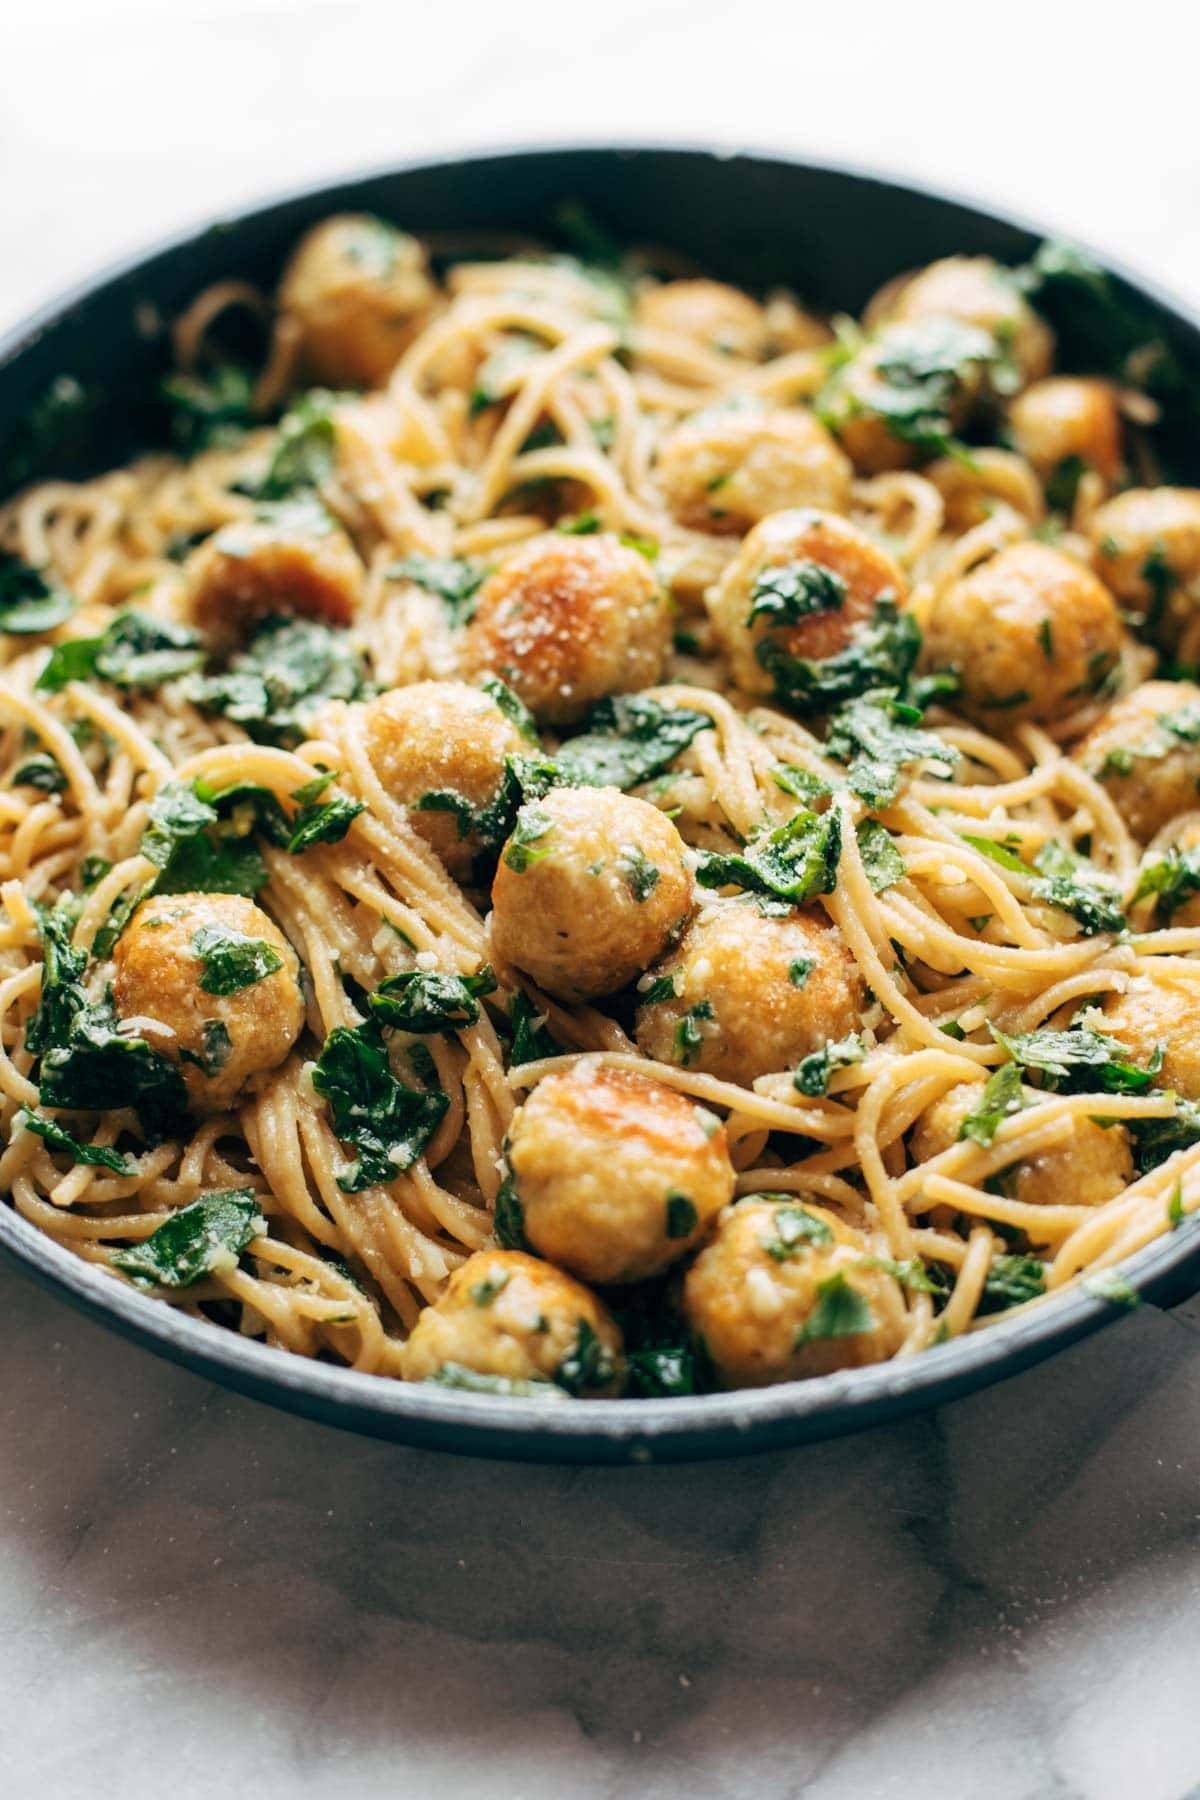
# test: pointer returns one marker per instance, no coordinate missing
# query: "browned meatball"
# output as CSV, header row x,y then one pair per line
x,y
508,1316
591,888
616,1176
358,291
980,292
745,995
1067,420
786,1290
716,317
724,469
1029,633
1148,551
437,741
288,560
220,983
1094,1164
1160,1011
567,621
1146,752
801,585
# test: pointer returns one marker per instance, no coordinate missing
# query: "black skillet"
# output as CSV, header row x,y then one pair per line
x,y
834,235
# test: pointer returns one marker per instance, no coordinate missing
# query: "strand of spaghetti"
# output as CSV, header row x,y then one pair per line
x,y
59,743
972,1272
1042,1224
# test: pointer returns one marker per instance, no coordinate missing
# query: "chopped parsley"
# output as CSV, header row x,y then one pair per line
x,y
629,739
638,873
96,1156
524,847
1072,884
840,1311
876,735
793,1229
1011,1281
451,579
688,1040
882,862
881,654
787,592
1001,1097
1080,1060
273,688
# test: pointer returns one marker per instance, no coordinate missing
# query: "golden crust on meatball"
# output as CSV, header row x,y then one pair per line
x,y
785,1290
1147,545
1146,753
616,1174
591,888
718,318
511,1316
1092,1166
747,995
1030,634
1160,1012
174,952
291,560
978,291
442,738
358,292
1067,419
831,577
724,469
567,621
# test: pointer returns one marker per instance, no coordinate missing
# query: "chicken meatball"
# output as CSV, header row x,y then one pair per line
x,y
513,1318
784,1291
1067,423
358,291
979,292
716,317
216,986
1030,634
591,888
289,559
567,621
1148,552
439,747
1094,1164
745,995
725,468
613,1174
904,391
1160,1012
1146,752
798,591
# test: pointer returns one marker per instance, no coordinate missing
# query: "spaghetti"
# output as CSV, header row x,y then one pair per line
x,y
486,784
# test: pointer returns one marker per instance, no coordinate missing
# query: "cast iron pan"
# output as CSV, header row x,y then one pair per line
x,y
835,235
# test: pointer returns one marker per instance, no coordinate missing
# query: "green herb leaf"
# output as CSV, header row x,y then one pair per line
x,y
997,853
1011,1280
273,689
876,736
793,1229
682,1217
419,1002
1154,1140
628,739
1080,1060
1001,1097
1110,1284
453,580
203,1238
524,847
794,862
813,1071
1174,877
1074,886
531,1040
882,862
93,1067
881,654
508,1221
638,873
42,771
469,1381
388,1123
841,1311
788,592
305,448
324,823
208,412
232,960
688,1039
512,706
31,600
588,1365
96,1156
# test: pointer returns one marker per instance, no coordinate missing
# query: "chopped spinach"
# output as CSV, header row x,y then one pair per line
x,y
205,1237
524,847
793,862
451,579
794,1229
1080,1060
881,654
588,1365
273,688
232,960
1156,1139
418,1002
91,1066
42,771
689,1038
1001,1097
813,1071
305,448
31,600
1110,1284
508,1221
1070,883
531,1041
137,651
387,1123
784,593
882,862
876,735
682,1217
96,1156
1174,877
207,412
512,706
638,873
915,376
1010,1281
629,739
840,1311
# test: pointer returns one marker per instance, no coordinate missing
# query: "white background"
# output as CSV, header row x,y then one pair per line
x,y
125,118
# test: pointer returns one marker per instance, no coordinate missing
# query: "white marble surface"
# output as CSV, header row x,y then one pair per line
x,y
201,1597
